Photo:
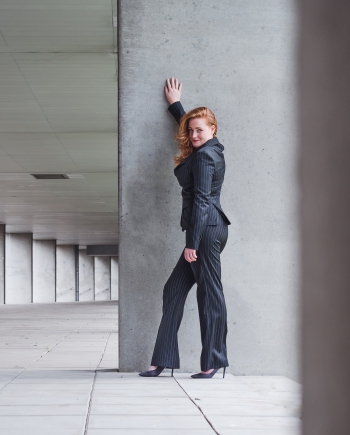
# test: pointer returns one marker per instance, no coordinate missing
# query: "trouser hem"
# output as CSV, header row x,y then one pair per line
x,y
167,365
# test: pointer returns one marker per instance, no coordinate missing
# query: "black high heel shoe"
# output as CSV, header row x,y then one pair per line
x,y
155,372
207,375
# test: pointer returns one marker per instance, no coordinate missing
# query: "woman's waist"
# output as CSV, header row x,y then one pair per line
x,y
188,202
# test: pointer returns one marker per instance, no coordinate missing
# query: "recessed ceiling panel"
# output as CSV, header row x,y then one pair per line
x,y
58,115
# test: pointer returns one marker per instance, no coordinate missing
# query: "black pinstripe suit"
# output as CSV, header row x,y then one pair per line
x,y
201,176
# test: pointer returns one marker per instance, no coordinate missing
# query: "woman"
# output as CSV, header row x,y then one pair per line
x,y
200,170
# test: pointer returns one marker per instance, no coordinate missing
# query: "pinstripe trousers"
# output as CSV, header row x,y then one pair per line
x,y
206,272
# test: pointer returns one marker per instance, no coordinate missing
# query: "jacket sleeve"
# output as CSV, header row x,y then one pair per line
x,y
177,111
203,170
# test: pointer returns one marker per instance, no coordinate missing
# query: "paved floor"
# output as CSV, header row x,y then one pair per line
x,y
58,377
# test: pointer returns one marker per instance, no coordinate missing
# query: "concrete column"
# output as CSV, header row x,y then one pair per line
x,y
2,263
86,276
102,278
65,273
18,268
325,214
114,279
237,58
44,271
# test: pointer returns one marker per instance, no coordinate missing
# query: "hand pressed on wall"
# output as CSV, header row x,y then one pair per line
x,y
190,255
172,90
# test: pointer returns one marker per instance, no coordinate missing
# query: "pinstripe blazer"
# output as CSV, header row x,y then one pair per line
x,y
201,176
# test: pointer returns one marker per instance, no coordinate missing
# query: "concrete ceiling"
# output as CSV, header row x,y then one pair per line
x,y
58,114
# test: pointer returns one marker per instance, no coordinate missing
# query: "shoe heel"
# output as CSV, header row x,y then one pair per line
x,y
172,373
224,372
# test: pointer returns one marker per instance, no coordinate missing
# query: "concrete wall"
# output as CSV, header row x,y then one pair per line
x,y
44,271
114,279
325,214
86,276
18,268
2,263
236,57
102,278
65,273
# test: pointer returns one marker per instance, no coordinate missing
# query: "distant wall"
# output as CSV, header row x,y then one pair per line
x,y
65,273
44,271
102,278
114,279
236,57
18,268
86,277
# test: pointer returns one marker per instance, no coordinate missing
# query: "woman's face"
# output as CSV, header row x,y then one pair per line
x,y
199,131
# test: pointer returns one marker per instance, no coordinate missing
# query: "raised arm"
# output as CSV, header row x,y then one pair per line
x,y
172,91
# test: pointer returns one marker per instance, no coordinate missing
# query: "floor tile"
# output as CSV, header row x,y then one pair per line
x,y
254,422
147,422
42,422
144,409
35,410
154,431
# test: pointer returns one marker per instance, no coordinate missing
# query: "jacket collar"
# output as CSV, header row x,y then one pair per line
x,y
209,143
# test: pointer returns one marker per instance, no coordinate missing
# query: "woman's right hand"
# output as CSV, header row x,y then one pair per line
x,y
172,90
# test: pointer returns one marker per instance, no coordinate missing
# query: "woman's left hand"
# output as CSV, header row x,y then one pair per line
x,y
190,255
172,90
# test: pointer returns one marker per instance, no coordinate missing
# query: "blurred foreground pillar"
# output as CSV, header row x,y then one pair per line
x,y
324,56
2,263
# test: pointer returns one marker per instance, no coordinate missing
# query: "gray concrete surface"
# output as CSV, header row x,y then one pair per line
x,y
325,214
86,277
18,268
65,273
114,279
102,278
2,263
44,271
237,58
58,376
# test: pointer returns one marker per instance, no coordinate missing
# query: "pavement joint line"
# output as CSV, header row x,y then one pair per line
x,y
93,384
208,421
25,368
89,405
104,350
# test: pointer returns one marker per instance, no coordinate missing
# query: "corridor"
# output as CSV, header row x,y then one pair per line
x,y
58,376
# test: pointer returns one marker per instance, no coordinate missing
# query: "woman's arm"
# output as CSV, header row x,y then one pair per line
x,y
173,93
203,170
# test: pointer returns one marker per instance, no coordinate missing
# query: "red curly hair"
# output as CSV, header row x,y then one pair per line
x,y
182,137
